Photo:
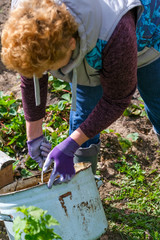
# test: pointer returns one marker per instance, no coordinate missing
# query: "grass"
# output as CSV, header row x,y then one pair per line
x,y
133,209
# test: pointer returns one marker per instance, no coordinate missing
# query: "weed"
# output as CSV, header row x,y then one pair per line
x,y
139,196
12,125
135,110
35,224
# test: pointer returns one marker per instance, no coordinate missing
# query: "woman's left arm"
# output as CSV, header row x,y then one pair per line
x,y
118,77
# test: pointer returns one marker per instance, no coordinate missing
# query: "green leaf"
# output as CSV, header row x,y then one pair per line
x,y
15,164
67,97
26,173
10,102
16,225
3,110
61,105
35,212
133,136
58,85
51,221
108,130
137,112
126,112
51,78
13,140
12,112
31,164
124,143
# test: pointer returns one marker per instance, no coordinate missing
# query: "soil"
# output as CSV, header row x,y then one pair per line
x,y
145,148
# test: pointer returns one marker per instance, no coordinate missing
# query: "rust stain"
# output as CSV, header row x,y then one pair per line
x,y
90,206
61,199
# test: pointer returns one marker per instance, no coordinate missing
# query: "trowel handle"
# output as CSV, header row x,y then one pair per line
x,y
6,217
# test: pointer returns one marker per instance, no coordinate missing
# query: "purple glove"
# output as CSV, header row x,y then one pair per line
x,y
62,155
38,149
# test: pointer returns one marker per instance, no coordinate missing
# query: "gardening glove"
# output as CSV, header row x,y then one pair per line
x,y
38,149
62,155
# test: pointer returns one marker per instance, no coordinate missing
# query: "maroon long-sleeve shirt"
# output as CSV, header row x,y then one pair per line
x,y
118,79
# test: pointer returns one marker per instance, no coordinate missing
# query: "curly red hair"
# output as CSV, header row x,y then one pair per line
x,y
36,35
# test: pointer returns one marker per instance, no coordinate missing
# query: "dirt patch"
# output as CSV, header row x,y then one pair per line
x,y
146,148
9,81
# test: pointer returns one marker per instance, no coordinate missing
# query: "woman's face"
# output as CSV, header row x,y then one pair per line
x,y
66,59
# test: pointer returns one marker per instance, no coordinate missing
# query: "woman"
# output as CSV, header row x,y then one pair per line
x,y
91,44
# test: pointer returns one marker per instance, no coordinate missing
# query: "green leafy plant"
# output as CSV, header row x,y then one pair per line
x,y
133,136
12,122
65,102
124,143
12,125
35,224
135,110
31,164
26,173
133,171
58,85
108,130
57,123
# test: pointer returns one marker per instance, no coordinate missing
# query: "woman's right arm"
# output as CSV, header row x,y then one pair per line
x,y
31,111
34,114
34,129
38,146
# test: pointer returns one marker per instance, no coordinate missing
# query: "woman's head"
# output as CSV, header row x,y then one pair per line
x,y
37,35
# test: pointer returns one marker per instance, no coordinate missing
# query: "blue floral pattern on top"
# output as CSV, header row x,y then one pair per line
x,y
94,57
148,26
148,33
